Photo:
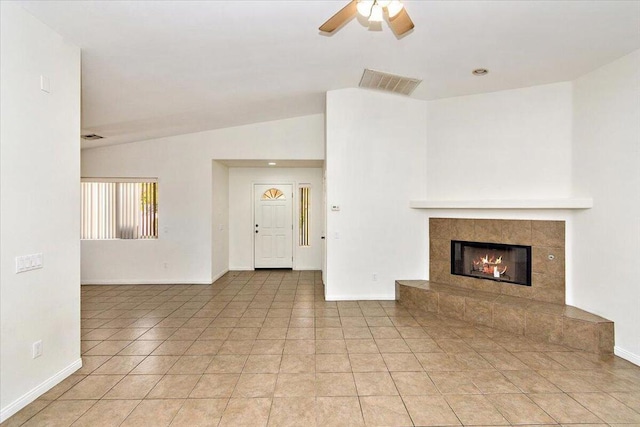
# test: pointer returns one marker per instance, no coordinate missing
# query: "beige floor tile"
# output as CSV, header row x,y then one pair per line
x,y
338,412
300,333
538,361
133,387
236,347
376,321
204,348
174,387
430,411
129,334
140,348
330,346
273,333
454,382
356,333
367,362
155,413
215,333
23,415
333,363
384,332
200,413
530,382
295,385
268,347
392,345
384,411
607,408
563,408
423,345
227,364
299,347
569,381
335,384
262,364
519,409
492,382
191,365
107,413
375,384
246,412
214,386
60,413
293,412
172,348
413,383
92,387
119,365
255,385
361,346
298,363
631,399
108,348
91,363
353,322
504,361
475,410
238,334
155,365
402,362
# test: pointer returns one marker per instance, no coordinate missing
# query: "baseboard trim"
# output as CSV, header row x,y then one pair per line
x,y
381,297
145,282
219,275
627,355
38,391
241,269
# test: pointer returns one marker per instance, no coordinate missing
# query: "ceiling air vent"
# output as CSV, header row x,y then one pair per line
x,y
372,79
91,137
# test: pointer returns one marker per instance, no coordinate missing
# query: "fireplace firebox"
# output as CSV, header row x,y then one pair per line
x,y
492,261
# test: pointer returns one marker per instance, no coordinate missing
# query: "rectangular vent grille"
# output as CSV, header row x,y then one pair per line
x,y
372,79
91,137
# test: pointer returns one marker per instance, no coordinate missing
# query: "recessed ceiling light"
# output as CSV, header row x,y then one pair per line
x,y
272,163
480,72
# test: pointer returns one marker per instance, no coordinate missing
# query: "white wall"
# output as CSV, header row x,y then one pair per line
x,y
375,163
183,166
606,147
503,145
40,198
241,229
219,220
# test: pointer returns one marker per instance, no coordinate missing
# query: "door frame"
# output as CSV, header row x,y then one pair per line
x,y
293,217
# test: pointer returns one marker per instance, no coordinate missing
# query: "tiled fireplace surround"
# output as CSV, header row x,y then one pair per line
x,y
537,311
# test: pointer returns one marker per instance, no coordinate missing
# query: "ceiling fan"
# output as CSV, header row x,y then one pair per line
x,y
374,11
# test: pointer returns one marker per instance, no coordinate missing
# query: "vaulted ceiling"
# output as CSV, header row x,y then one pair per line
x,y
160,68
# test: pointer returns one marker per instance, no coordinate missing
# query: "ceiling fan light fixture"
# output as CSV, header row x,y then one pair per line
x,y
394,8
364,7
376,13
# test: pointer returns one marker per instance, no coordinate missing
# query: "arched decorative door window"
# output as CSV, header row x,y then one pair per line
x,y
273,194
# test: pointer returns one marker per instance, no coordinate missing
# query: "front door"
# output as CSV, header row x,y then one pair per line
x,y
273,226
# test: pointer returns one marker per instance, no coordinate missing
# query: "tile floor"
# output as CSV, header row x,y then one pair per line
x,y
264,348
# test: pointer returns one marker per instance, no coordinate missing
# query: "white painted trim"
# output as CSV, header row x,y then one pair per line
x,y
243,268
145,282
627,355
38,391
381,297
219,275
568,203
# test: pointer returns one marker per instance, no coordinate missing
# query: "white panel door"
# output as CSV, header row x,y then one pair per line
x,y
273,225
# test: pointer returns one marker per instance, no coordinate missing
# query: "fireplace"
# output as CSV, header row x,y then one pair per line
x,y
492,261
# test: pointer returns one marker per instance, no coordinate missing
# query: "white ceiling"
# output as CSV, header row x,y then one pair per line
x,y
159,68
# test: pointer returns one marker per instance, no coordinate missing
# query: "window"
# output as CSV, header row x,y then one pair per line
x,y
273,194
119,209
305,205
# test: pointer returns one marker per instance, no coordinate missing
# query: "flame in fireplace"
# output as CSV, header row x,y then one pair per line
x,y
489,264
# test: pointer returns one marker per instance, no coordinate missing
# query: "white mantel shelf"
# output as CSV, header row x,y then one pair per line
x,y
571,203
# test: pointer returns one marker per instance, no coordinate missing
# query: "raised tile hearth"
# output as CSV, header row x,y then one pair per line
x,y
541,321
537,311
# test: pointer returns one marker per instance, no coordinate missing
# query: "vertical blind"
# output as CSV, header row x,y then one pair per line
x,y
119,210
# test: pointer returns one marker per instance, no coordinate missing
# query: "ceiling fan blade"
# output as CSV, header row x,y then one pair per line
x,y
401,23
340,18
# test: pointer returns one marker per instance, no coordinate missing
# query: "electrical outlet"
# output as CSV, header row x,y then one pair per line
x,y
375,277
37,349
